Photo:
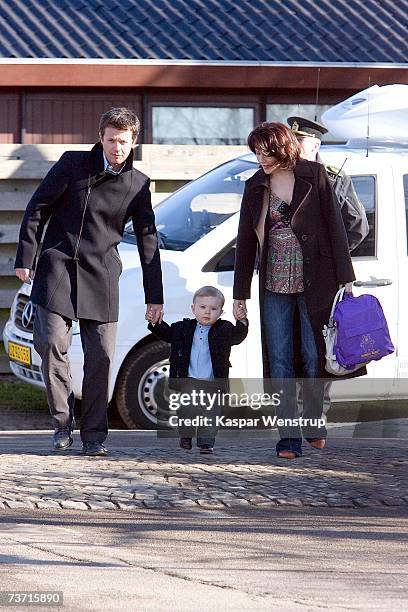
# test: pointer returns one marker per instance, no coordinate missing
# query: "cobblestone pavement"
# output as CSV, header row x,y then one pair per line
x,y
145,472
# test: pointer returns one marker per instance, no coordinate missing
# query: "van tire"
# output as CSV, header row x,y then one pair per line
x,y
144,368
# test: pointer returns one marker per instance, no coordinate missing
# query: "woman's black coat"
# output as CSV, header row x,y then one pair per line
x,y
78,269
317,223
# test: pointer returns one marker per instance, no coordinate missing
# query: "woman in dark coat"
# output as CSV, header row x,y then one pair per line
x,y
292,223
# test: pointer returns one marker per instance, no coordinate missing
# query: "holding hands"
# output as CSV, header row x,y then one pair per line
x,y
239,310
154,313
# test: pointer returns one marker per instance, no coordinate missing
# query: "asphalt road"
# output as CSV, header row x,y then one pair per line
x,y
182,561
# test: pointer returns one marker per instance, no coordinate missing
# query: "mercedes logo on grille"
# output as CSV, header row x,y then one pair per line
x,y
27,314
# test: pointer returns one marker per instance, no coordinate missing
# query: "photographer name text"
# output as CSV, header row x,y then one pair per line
x,y
243,423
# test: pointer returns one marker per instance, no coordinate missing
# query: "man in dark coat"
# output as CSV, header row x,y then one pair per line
x,y
309,134
87,197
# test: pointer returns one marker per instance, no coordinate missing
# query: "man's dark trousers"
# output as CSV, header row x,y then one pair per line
x,y
52,339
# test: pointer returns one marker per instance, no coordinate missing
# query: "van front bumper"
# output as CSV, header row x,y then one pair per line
x,y
28,372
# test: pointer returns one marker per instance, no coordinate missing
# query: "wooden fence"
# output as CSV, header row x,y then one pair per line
x,y
23,166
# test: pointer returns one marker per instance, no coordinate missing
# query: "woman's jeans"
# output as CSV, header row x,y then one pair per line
x,y
278,322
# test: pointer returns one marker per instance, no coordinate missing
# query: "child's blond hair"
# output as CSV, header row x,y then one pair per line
x,y
209,291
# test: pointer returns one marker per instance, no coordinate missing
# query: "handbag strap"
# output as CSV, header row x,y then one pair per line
x,y
337,298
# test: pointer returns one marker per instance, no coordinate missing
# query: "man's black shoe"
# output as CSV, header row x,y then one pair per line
x,y
62,438
94,449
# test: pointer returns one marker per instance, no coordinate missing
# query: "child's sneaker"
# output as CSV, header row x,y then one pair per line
x,y
206,449
186,443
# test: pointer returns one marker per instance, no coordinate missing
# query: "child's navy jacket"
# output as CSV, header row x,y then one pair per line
x,y
221,337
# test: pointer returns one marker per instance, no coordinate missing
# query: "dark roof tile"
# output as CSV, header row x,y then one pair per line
x,y
258,30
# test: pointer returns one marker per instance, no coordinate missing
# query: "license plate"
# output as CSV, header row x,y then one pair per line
x,y
18,352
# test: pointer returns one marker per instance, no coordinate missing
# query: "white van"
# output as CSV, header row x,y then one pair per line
x,y
198,227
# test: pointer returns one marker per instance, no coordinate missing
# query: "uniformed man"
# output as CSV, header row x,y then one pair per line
x,y
309,134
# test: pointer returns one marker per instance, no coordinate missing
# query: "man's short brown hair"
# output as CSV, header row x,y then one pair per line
x,y
209,291
277,140
121,119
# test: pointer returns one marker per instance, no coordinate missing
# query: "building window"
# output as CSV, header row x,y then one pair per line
x,y
280,112
365,187
201,125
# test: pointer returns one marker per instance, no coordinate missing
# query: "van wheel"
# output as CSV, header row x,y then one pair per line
x,y
141,385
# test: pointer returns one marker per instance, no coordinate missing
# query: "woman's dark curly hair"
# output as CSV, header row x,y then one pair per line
x,y
277,140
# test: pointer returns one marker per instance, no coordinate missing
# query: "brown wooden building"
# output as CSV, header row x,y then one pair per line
x,y
179,102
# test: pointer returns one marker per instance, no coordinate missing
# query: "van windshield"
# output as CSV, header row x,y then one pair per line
x,y
197,208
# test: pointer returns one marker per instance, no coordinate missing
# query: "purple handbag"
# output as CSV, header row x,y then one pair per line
x,y
362,331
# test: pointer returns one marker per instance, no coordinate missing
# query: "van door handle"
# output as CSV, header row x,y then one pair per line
x,y
374,282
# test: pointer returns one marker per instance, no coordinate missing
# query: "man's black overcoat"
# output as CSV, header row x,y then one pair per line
x,y
78,268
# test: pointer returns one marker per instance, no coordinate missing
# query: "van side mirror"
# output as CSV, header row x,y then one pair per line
x,y
227,261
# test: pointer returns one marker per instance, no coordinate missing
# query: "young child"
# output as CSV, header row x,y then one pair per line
x,y
200,351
